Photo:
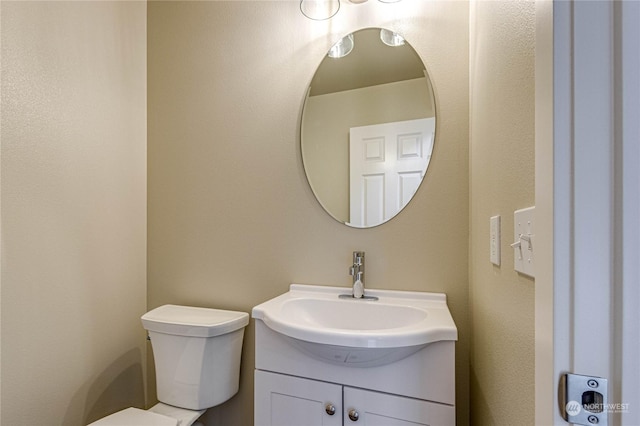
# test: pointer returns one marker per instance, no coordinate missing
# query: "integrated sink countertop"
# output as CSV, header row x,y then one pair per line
x,y
398,319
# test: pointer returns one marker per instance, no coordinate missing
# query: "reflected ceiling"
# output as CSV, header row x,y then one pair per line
x,y
396,64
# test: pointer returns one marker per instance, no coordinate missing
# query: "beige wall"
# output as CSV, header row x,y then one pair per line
x,y
232,220
325,131
501,181
73,210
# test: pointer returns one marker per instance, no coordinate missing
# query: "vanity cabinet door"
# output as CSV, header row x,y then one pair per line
x,y
362,407
282,400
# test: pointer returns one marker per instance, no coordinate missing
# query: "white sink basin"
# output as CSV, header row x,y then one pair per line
x,y
346,316
333,326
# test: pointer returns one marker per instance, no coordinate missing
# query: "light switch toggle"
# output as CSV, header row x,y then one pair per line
x,y
524,232
521,238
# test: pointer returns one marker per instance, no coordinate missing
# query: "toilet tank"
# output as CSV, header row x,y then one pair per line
x,y
197,354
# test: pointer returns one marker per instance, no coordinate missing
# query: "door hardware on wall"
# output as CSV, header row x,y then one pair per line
x,y
583,399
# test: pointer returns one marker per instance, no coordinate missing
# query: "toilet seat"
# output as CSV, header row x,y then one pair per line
x,y
158,415
135,416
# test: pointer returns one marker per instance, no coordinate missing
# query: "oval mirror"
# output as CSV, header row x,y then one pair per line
x,y
368,127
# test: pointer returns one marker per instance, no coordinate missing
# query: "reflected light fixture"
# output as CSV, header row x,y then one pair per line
x,y
342,48
391,38
321,10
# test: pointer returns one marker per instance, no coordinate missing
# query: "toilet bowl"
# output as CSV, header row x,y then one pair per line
x,y
197,361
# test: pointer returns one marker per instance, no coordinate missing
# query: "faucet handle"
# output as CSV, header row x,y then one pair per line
x,y
352,270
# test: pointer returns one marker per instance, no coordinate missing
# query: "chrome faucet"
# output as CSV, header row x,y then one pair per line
x,y
357,272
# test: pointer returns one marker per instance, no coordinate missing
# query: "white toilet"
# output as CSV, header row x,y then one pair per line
x,y
197,358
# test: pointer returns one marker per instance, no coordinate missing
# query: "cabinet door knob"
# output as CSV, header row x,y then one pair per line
x,y
330,409
353,415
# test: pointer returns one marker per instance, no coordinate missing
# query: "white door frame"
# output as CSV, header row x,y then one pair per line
x,y
544,179
628,252
588,257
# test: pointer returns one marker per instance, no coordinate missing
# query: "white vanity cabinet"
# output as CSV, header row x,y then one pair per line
x,y
294,387
283,400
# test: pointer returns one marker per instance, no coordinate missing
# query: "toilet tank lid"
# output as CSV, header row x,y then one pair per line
x,y
192,321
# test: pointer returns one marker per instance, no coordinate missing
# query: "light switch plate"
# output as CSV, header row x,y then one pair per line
x,y
524,234
494,240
